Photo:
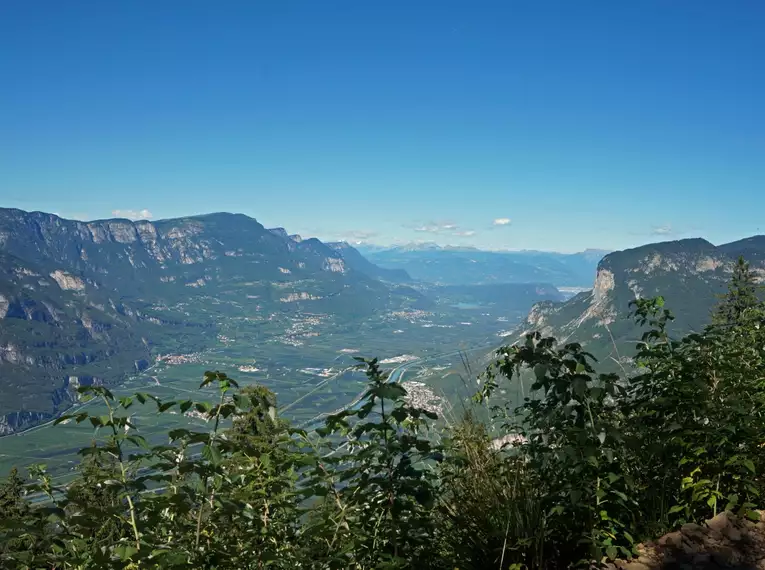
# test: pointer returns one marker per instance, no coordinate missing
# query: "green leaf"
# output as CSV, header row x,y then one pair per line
x,y
212,454
611,552
676,509
185,405
579,386
178,434
125,551
389,391
138,441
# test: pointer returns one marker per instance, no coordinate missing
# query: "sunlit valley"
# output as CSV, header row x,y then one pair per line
x,y
382,285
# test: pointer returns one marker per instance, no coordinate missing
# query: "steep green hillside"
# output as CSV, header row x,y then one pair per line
x,y
53,337
689,274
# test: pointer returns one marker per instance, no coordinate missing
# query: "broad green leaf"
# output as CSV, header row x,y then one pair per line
x,y
125,551
212,454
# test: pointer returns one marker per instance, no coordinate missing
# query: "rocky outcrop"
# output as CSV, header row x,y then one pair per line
x,y
281,232
17,421
724,542
67,282
334,264
303,296
689,274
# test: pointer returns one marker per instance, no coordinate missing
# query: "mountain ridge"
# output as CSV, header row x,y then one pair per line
x,y
689,273
89,302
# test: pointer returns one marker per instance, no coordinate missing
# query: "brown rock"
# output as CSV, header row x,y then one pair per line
x,y
693,531
733,533
690,547
723,556
720,522
637,566
672,539
701,559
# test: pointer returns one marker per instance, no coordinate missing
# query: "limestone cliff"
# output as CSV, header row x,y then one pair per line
x,y
689,274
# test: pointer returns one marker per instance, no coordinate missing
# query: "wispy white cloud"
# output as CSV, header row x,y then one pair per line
x,y
358,235
663,230
442,228
435,227
133,214
501,222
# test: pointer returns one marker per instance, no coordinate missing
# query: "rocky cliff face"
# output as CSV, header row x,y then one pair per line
x,y
689,274
92,299
355,260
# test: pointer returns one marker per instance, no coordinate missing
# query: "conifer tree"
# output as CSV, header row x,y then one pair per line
x,y
738,305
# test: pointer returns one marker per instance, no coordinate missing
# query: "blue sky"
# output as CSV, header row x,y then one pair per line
x,y
582,123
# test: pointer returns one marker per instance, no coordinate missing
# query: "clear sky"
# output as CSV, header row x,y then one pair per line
x,y
580,123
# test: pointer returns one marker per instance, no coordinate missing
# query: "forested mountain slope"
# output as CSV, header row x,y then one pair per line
x,y
88,302
689,274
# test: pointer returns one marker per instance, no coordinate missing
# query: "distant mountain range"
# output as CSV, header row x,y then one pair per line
x,y
469,266
689,274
